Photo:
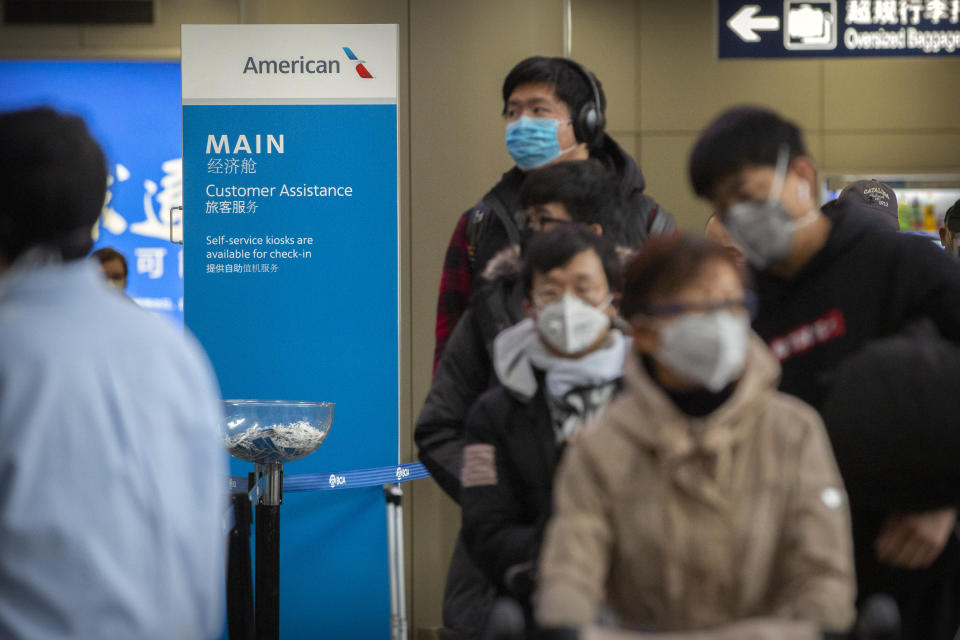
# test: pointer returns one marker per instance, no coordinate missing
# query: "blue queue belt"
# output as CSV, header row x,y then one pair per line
x,y
340,480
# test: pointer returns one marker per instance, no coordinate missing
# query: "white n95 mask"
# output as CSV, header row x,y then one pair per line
x,y
570,325
707,348
764,230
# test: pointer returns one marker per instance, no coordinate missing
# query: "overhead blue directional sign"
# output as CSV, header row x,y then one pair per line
x,y
837,28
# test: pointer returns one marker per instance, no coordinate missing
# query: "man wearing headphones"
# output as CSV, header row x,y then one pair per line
x,y
554,109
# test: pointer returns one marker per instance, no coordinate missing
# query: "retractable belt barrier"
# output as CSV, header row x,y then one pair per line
x,y
264,623
302,482
356,479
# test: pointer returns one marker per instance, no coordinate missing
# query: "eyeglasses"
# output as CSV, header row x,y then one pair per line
x,y
595,296
748,303
537,223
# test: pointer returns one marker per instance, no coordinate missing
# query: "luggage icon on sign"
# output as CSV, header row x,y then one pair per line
x,y
810,25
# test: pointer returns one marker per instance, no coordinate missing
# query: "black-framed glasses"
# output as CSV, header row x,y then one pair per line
x,y
536,223
748,302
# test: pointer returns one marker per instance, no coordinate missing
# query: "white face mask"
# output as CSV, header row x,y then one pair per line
x,y
707,348
764,230
570,325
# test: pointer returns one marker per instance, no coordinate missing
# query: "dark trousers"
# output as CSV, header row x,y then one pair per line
x,y
467,597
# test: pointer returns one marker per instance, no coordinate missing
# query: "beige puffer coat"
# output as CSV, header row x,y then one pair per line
x,y
678,523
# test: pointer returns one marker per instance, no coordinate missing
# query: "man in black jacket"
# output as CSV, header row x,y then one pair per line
x,y
830,283
554,109
581,192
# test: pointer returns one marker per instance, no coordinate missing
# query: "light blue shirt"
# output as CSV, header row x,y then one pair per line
x,y
111,473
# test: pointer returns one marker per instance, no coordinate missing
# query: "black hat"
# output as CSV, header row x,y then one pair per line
x,y
53,177
875,195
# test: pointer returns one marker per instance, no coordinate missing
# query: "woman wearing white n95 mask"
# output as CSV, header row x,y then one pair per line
x,y
703,497
557,369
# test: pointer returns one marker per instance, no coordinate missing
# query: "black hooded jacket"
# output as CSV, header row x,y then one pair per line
x,y
828,325
891,414
894,420
866,283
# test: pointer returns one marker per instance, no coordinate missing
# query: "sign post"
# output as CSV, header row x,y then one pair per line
x,y
837,28
291,276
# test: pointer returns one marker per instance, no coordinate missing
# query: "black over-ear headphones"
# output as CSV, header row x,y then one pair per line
x,y
588,123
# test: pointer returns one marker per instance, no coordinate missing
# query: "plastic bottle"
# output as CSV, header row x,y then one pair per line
x,y
917,222
929,220
905,215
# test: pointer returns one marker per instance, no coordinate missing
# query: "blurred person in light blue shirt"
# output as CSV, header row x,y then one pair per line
x,y
111,475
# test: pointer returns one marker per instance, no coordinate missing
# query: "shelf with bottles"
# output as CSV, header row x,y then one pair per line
x,y
922,199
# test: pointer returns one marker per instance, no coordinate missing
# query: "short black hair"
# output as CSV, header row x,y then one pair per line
x,y
665,265
586,189
106,254
740,137
555,248
562,74
53,177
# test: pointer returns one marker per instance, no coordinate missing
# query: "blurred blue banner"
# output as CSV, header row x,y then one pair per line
x,y
133,110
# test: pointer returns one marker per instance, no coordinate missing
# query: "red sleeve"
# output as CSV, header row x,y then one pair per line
x,y
455,286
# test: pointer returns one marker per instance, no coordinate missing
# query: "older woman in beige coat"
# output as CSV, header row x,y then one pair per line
x,y
703,497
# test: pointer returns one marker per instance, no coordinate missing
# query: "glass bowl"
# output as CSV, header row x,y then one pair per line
x,y
265,431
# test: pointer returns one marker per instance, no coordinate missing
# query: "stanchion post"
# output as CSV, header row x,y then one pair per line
x,y
240,624
398,601
267,602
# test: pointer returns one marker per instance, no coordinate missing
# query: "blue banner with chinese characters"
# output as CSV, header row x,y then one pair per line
x,y
837,28
292,278
133,111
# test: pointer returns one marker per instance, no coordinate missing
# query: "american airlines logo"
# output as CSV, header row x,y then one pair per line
x,y
361,70
304,65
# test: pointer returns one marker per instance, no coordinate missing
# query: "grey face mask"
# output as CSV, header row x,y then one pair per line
x,y
763,229
709,349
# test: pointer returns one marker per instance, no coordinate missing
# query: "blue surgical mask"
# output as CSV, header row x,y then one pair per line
x,y
532,142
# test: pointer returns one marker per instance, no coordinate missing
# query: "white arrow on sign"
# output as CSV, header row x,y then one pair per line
x,y
745,23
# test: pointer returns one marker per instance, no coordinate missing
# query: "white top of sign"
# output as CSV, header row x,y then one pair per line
x,y
289,64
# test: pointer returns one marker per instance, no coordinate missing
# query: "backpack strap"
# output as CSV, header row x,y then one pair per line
x,y
475,225
487,207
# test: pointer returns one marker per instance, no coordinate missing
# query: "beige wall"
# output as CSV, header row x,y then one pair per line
x,y
870,115
657,65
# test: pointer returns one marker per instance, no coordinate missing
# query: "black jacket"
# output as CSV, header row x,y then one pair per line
x,y
894,420
465,370
865,283
892,416
503,523
463,374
